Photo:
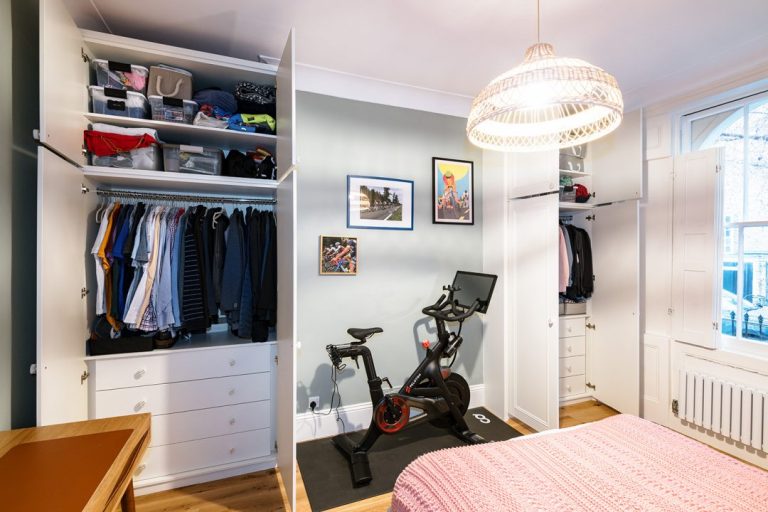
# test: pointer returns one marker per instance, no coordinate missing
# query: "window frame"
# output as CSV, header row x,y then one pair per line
x,y
739,105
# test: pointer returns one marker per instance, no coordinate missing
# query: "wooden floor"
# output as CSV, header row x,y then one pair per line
x,y
263,491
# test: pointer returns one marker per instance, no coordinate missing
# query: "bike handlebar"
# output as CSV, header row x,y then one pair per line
x,y
452,315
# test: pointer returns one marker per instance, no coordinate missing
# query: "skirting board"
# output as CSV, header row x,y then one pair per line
x,y
164,483
356,417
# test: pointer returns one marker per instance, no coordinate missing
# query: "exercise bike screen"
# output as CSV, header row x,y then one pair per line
x,y
474,286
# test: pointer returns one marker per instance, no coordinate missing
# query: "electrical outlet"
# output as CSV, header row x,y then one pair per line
x,y
315,400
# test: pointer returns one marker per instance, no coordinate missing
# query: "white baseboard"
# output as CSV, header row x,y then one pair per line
x,y
356,417
175,481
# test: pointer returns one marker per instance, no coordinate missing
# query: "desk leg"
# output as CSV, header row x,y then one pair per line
x,y
127,503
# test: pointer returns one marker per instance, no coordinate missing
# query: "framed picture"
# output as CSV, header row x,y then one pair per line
x,y
379,203
453,191
338,255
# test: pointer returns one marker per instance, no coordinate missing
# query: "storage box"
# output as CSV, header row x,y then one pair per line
x,y
116,102
99,347
149,158
574,308
173,110
192,159
170,82
571,163
567,194
117,75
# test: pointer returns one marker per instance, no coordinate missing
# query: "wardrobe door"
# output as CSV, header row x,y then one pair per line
x,y
532,173
285,212
616,161
286,114
532,298
63,81
61,308
614,340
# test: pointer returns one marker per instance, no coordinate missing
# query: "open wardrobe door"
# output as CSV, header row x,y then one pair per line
x,y
532,298
61,292
286,335
614,334
286,113
64,79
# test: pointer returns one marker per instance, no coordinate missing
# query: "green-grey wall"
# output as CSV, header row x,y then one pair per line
x,y
400,272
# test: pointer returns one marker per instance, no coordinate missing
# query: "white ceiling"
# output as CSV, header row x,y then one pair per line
x,y
654,48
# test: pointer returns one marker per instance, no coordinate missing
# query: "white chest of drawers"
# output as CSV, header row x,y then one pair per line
x,y
212,408
572,357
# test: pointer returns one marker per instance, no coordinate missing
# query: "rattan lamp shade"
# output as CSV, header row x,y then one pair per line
x,y
547,102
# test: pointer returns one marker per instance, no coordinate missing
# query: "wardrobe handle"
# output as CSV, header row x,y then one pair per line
x,y
231,451
550,322
139,406
232,362
232,392
139,374
232,421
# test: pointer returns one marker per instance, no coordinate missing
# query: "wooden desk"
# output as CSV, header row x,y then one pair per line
x,y
87,465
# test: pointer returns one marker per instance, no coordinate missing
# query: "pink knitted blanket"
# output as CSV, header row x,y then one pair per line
x,y
621,463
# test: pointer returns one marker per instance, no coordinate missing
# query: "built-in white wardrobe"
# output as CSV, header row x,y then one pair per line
x,y
221,405
536,359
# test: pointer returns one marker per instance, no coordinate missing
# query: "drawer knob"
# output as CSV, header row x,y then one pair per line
x,y
231,392
139,406
231,451
570,348
139,374
568,388
568,369
232,421
140,468
232,362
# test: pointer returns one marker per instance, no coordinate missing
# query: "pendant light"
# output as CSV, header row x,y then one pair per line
x,y
547,102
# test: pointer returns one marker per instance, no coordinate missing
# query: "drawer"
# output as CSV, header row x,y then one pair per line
x,y
572,366
218,421
575,385
572,327
183,396
575,346
203,453
180,365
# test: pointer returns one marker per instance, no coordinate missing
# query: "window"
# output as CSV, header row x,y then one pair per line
x,y
741,129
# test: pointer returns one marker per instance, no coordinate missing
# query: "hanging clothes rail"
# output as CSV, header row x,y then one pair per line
x,y
191,198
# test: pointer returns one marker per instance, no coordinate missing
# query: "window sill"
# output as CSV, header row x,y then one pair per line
x,y
751,349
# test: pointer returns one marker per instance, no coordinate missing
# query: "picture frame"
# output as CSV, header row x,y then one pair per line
x,y
453,191
375,202
338,255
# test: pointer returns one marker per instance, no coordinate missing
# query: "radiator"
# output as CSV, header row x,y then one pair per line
x,y
733,410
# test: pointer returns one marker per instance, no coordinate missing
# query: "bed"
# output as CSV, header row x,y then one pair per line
x,y
620,463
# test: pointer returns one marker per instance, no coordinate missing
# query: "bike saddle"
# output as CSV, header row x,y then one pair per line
x,y
363,334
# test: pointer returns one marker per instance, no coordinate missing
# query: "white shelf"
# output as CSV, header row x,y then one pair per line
x,y
575,207
575,174
181,133
137,179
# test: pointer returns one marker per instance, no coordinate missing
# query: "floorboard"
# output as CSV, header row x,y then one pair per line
x,y
263,491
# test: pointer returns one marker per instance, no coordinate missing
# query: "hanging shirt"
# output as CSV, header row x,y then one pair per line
x,y
100,303
564,269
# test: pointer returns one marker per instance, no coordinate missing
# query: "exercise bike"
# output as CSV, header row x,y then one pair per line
x,y
441,395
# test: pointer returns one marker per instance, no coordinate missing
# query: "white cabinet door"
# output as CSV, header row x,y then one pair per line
x,y
696,248
614,343
286,334
532,173
532,298
616,162
286,114
63,81
61,311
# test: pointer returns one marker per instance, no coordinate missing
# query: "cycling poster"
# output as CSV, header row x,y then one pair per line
x,y
379,203
338,255
452,191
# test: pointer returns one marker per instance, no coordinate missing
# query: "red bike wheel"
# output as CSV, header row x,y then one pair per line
x,y
390,423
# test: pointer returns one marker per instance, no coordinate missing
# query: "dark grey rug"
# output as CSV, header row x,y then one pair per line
x,y
326,474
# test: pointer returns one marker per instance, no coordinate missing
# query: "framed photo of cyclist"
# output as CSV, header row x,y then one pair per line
x,y
453,191
379,203
338,255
